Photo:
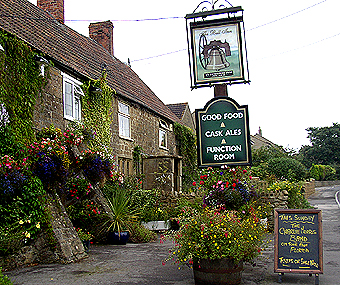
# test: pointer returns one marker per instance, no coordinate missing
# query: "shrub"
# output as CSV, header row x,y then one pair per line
x,y
296,199
140,234
287,168
4,280
322,172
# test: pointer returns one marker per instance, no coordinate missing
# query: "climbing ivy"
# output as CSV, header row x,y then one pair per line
x,y
97,113
20,84
186,140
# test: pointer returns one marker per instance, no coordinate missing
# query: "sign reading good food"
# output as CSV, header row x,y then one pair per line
x,y
223,133
298,241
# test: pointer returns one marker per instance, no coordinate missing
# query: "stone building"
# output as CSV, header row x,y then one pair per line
x,y
140,117
182,111
257,141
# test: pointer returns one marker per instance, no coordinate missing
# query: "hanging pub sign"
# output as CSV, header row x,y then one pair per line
x,y
223,137
216,50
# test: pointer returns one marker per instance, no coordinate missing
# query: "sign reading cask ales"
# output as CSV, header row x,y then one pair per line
x,y
298,241
223,133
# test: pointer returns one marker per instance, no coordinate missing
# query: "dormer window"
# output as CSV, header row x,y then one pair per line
x,y
71,94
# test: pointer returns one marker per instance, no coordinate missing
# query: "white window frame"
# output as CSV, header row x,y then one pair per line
x,y
76,92
124,120
163,128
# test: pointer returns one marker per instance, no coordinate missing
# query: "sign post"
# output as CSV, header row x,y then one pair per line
x,y
298,242
223,133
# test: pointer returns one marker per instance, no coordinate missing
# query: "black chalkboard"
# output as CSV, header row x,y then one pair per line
x,y
298,241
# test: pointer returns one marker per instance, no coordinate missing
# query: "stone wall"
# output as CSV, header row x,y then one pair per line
x,y
309,188
144,133
49,107
66,247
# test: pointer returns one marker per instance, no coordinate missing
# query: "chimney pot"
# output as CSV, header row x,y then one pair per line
x,y
54,7
102,33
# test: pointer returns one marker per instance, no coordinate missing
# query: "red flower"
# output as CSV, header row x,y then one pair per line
x,y
194,183
201,182
234,185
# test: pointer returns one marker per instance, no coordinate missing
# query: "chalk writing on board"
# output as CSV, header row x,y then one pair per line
x,y
298,240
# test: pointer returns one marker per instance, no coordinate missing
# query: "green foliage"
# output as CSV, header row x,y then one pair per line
x,y
121,213
264,154
20,84
8,142
325,148
322,172
187,149
140,234
4,280
280,168
296,199
287,168
97,113
211,234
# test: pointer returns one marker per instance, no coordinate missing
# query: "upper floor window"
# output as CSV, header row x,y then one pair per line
x,y
72,93
163,136
124,120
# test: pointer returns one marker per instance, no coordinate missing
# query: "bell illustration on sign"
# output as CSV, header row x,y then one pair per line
x,y
213,56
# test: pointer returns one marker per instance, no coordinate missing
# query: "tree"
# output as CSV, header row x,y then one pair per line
x,y
325,148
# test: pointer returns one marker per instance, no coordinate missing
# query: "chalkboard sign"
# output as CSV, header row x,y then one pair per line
x,y
298,241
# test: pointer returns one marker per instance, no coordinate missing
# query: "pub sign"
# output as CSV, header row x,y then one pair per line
x,y
223,138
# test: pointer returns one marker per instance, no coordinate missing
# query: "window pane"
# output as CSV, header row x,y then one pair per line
x,y
68,99
77,109
122,108
162,138
124,126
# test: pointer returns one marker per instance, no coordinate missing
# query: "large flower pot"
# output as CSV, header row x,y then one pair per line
x,y
217,272
118,238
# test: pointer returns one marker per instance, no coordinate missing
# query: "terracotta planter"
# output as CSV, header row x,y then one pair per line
x,y
217,272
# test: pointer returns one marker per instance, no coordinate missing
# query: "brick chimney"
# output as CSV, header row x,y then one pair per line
x,y
54,7
102,33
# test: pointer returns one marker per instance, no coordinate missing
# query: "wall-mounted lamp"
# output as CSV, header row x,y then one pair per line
x,y
42,62
95,90
40,59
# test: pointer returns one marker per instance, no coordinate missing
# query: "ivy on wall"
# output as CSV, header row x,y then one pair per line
x,y
20,84
186,140
97,113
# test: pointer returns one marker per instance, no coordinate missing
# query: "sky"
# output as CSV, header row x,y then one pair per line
x,y
293,55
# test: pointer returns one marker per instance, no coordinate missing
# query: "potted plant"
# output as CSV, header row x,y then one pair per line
x,y
85,237
215,242
216,239
119,216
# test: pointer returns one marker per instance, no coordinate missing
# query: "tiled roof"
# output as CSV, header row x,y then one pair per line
x,y
178,109
77,52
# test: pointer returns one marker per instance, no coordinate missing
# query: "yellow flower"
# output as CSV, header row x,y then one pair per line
x,y
38,225
27,234
21,222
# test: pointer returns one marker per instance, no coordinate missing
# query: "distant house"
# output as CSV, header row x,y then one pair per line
x,y
257,141
182,111
140,117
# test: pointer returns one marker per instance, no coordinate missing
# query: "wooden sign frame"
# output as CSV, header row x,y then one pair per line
x,y
302,237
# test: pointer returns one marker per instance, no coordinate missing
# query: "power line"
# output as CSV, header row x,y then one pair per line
x,y
301,47
284,17
150,57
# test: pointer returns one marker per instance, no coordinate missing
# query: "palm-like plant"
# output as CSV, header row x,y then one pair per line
x,y
120,213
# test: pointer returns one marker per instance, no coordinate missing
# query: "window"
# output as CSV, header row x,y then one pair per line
x,y
124,120
163,126
72,93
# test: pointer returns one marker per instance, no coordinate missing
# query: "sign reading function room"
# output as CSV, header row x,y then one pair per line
x,y
223,133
